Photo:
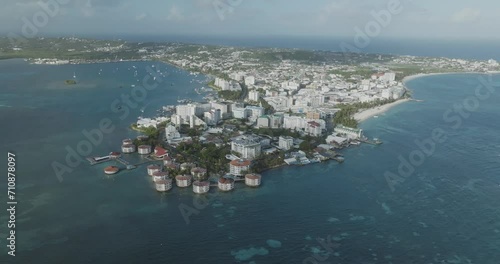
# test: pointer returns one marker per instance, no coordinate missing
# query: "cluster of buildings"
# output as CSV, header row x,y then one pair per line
x,y
225,85
343,136
150,122
198,177
289,85
211,114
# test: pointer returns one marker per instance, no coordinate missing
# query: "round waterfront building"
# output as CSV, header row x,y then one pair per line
x,y
127,141
201,187
128,148
144,149
199,174
226,184
253,180
183,180
160,175
239,166
152,169
163,185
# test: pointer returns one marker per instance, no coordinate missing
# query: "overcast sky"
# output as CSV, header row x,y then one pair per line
x,y
328,18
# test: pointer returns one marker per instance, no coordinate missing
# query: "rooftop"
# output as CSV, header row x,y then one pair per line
x,y
253,176
240,163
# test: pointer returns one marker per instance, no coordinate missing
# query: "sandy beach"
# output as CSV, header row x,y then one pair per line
x,y
416,76
368,113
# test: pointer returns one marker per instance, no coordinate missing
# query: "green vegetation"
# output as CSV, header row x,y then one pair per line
x,y
192,132
306,146
267,107
152,133
230,95
208,156
345,115
66,49
264,162
404,70
275,55
310,143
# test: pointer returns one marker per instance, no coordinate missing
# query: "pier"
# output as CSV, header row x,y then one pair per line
x,y
128,166
98,160
122,161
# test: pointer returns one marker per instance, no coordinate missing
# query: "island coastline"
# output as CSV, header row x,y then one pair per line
x,y
366,114
371,112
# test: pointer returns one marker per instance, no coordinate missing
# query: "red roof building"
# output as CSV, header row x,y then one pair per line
x,y
160,152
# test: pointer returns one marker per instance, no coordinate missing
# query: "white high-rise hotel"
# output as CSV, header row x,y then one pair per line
x,y
253,95
185,111
248,149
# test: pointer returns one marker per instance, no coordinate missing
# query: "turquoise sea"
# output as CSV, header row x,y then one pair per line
x,y
446,211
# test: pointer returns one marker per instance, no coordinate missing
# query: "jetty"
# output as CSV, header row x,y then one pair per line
x,y
122,161
126,163
98,160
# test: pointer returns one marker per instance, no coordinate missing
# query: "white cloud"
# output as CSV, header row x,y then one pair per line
x,y
175,14
466,15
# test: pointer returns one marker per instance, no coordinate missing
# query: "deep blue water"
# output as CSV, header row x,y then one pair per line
x,y
445,212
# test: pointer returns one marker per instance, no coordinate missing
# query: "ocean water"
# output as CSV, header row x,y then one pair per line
x,y
446,211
